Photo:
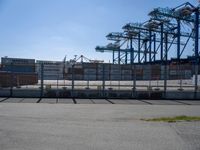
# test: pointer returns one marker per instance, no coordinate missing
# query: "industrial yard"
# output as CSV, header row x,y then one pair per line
x,y
158,58
143,93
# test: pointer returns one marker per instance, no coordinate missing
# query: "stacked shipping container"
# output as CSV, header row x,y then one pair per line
x,y
8,79
115,72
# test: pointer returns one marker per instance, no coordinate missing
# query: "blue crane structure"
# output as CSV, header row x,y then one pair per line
x,y
168,29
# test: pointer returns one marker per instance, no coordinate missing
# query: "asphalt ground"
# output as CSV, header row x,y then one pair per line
x,y
99,101
46,126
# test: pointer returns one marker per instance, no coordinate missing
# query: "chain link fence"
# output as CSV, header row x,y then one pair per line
x,y
86,80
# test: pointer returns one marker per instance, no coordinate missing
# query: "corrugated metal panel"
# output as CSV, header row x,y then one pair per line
x,y
19,68
173,72
155,77
106,66
115,66
5,79
106,77
80,66
78,77
115,77
155,70
173,67
126,77
115,72
106,72
186,66
163,76
17,61
163,68
188,74
26,79
126,67
68,76
76,70
90,77
90,71
146,77
138,67
89,65
128,72
17,79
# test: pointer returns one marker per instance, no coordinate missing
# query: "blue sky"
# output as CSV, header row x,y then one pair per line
x,y
51,29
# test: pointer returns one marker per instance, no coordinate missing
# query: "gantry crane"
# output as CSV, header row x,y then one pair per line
x,y
164,22
167,29
186,15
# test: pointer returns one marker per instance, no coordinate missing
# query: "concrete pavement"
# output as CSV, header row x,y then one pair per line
x,y
99,101
82,127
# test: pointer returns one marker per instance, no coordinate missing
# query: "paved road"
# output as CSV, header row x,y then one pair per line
x,y
99,101
25,126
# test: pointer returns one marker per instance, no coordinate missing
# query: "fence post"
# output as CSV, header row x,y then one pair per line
x,y
42,80
196,24
57,92
165,60
72,92
12,79
150,78
103,84
134,79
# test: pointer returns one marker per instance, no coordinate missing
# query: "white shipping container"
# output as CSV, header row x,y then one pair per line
x,y
198,80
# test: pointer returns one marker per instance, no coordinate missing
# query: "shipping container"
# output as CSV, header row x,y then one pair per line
x,y
126,77
75,70
100,77
126,67
155,77
115,72
8,79
173,72
80,66
90,77
188,74
115,67
115,77
78,77
89,65
19,68
126,72
90,71
106,72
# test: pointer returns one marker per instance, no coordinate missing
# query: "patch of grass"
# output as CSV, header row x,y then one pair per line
x,y
174,119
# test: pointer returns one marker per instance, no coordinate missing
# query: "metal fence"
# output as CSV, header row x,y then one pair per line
x,y
86,80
